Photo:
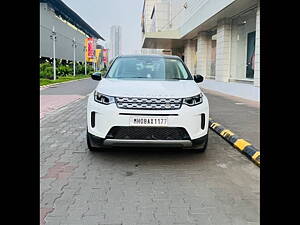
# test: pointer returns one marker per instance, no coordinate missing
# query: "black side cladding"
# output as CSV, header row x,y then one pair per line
x,y
202,121
93,119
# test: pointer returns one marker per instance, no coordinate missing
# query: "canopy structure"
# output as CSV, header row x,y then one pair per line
x,y
163,40
69,15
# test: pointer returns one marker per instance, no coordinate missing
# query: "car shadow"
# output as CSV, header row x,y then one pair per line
x,y
153,155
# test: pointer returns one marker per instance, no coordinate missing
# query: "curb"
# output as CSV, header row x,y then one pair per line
x,y
243,146
50,85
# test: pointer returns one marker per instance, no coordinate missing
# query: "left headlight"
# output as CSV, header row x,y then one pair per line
x,y
195,100
103,99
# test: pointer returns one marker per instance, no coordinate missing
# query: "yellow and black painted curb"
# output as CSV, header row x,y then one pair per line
x,y
243,146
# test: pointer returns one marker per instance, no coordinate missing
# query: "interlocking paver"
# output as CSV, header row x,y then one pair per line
x,y
135,187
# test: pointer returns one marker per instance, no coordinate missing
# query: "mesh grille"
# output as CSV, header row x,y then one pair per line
x,y
148,103
148,133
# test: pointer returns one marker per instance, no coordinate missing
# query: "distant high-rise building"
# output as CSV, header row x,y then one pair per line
x,y
115,41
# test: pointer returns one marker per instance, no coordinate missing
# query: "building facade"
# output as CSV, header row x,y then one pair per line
x,y
115,41
69,30
218,39
148,24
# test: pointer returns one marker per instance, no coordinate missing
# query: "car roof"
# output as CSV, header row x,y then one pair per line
x,y
150,55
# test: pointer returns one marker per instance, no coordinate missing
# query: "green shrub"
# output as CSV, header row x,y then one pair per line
x,y
46,70
64,70
89,69
44,65
80,69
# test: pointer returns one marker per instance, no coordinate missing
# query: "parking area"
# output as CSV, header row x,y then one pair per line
x,y
138,186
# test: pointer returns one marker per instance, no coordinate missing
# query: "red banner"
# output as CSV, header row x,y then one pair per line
x,y
105,60
90,47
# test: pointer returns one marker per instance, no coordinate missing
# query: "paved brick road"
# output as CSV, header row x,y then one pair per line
x,y
140,187
57,96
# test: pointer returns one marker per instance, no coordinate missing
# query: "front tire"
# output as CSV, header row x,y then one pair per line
x,y
88,140
200,148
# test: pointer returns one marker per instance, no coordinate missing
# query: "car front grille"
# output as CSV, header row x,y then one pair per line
x,y
148,103
148,133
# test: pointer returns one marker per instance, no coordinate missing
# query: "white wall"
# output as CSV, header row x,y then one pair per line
x,y
159,19
147,14
176,13
162,15
198,11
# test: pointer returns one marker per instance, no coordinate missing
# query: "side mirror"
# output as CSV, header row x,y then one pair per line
x,y
96,76
198,78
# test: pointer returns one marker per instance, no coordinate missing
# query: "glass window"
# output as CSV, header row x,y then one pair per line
x,y
250,55
153,68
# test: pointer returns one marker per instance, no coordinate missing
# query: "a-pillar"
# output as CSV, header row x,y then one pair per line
x,y
202,54
223,50
257,49
189,55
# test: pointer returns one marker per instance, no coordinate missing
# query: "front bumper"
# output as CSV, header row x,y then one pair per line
x,y
109,116
101,142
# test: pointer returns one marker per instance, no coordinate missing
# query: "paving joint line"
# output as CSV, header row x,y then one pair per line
x,y
240,144
61,108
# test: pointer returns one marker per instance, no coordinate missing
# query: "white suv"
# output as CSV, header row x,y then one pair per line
x,y
147,100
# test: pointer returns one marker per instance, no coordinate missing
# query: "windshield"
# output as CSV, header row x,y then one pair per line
x,y
150,68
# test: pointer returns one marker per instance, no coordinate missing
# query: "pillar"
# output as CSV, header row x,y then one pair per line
x,y
202,54
189,55
223,51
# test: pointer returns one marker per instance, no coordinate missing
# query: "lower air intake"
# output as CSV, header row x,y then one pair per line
x,y
148,133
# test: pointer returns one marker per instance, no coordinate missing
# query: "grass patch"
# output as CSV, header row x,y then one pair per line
x,y
61,79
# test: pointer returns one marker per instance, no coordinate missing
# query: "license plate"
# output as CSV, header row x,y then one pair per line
x,y
148,121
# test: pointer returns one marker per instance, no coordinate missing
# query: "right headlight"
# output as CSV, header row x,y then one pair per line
x,y
103,99
195,100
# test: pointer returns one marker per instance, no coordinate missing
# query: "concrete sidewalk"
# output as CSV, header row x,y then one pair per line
x,y
246,91
239,115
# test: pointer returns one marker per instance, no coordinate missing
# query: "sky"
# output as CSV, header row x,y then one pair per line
x,y
102,14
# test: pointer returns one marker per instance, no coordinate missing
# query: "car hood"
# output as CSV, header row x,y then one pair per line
x,y
149,88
